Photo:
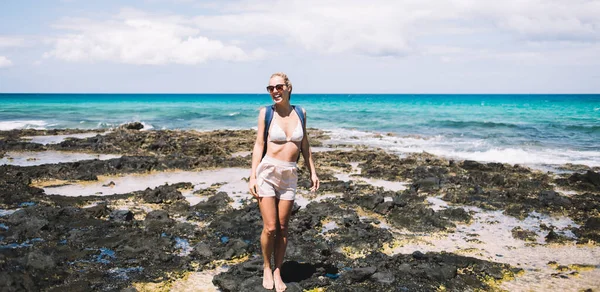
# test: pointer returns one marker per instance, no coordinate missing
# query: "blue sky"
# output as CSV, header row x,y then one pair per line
x,y
379,46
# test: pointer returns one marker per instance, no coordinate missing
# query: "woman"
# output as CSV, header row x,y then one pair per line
x,y
273,179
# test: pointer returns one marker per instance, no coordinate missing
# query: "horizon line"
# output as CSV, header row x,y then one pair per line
x,y
255,93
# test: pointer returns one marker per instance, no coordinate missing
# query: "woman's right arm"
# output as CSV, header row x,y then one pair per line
x,y
257,152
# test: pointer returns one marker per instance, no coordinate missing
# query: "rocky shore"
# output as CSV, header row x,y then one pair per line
x,y
453,226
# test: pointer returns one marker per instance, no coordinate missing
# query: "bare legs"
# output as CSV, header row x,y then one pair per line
x,y
284,209
267,238
273,240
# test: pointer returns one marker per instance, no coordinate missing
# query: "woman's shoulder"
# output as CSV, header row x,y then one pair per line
x,y
262,112
301,107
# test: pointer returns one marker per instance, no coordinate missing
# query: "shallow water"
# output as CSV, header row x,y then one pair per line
x,y
232,179
6,213
55,139
31,158
184,246
328,226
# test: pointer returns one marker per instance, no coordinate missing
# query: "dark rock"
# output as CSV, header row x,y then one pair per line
x,y
499,180
552,198
98,211
75,286
86,177
417,216
352,219
554,237
548,195
439,273
202,250
590,231
590,181
27,223
456,214
384,207
522,234
121,215
592,177
235,248
158,221
360,274
215,203
181,208
405,268
399,201
593,223
158,215
133,126
163,194
40,261
496,273
427,184
383,277
372,202
473,165
227,282
16,282
419,255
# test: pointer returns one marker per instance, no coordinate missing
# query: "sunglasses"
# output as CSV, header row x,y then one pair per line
x,y
279,87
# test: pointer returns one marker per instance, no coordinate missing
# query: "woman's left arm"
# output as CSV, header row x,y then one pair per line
x,y
308,158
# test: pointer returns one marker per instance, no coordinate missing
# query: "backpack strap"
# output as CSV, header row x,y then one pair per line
x,y
300,113
268,119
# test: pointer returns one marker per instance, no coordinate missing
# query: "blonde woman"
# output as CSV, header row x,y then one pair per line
x,y
280,140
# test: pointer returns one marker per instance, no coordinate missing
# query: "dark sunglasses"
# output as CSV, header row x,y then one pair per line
x,y
279,87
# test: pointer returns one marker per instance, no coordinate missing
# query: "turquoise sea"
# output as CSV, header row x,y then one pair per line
x,y
525,129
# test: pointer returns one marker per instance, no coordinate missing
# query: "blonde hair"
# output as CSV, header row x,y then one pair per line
x,y
287,81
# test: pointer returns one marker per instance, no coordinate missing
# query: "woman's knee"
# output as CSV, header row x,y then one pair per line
x,y
270,230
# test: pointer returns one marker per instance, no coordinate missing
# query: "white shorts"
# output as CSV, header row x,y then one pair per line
x,y
277,178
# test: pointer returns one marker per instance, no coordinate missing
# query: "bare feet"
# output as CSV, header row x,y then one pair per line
x,y
268,278
279,285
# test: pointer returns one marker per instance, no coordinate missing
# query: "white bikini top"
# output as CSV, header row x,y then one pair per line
x,y
276,133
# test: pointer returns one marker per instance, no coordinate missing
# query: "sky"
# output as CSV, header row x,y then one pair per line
x,y
350,46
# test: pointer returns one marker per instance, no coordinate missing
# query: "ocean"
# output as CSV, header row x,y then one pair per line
x,y
534,130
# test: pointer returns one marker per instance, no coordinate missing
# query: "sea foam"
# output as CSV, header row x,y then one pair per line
x,y
29,124
464,148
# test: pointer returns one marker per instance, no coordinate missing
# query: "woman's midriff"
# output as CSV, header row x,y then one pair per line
x,y
287,151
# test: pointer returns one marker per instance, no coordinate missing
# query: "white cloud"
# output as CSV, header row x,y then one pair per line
x,y
321,26
5,62
389,27
136,38
236,30
555,20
